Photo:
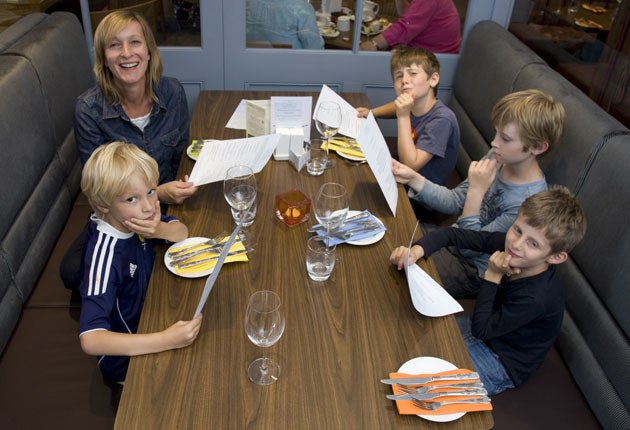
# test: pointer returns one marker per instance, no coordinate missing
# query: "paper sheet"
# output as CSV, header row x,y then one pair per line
x,y
216,157
291,112
376,152
350,123
428,297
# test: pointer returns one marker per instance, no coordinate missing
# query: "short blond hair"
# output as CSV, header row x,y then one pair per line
x,y
558,214
109,170
405,56
106,31
538,117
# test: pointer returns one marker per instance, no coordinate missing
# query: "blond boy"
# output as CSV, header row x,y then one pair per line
x,y
120,182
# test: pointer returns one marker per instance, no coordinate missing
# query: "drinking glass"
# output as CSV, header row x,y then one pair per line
x,y
331,206
239,189
320,258
328,121
264,325
317,158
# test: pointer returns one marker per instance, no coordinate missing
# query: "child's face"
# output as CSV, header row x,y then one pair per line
x,y
414,81
508,147
528,248
138,202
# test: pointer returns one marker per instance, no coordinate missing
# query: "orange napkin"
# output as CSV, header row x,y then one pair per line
x,y
406,407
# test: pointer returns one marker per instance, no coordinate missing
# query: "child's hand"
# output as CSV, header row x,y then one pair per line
x,y
148,228
481,174
399,255
406,175
182,333
404,103
499,265
363,112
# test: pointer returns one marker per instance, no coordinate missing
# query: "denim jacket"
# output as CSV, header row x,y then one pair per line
x,y
97,122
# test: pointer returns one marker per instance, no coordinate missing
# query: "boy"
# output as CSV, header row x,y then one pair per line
x,y
120,182
428,133
519,308
527,124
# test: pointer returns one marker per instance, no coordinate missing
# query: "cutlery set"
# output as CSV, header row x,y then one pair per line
x,y
423,396
184,257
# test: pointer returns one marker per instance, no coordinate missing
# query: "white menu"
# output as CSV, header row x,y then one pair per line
x,y
350,122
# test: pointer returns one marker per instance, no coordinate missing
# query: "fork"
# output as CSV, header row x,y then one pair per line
x,y
431,406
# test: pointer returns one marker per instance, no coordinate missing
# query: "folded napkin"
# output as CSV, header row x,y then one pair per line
x,y
351,225
354,151
406,407
202,267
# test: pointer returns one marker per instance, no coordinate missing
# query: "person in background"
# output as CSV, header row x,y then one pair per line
x,y
428,133
283,22
120,182
134,103
519,309
430,24
527,124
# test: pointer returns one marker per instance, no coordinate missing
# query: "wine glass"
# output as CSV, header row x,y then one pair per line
x,y
331,206
264,325
328,121
239,189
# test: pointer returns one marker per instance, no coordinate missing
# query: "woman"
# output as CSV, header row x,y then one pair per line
x,y
131,102
430,24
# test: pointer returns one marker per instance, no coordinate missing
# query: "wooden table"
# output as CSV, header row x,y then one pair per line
x,y
342,336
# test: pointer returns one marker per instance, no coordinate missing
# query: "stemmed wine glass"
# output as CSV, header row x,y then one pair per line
x,y
264,325
328,121
331,206
239,189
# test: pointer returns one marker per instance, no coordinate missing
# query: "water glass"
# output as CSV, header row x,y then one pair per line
x,y
249,214
317,158
320,258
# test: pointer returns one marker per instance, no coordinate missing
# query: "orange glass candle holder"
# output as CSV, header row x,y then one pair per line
x,y
293,207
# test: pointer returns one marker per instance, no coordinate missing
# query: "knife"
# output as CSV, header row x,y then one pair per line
x,y
429,396
424,380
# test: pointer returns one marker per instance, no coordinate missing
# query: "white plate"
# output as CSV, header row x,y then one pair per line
x,y
421,365
189,241
329,33
350,157
189,149
368,240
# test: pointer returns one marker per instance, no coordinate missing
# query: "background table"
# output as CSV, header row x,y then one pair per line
x,y
342,336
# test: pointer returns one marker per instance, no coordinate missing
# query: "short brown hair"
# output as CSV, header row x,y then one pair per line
x,y
108,172
106,31
538,117
558,213
405,56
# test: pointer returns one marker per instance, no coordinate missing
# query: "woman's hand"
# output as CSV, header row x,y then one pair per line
x,y
175,192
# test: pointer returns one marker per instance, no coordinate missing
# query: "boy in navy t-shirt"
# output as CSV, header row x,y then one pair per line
x,y
120,182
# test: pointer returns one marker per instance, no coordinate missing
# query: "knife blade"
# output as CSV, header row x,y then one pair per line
x,y
429,396
424,380
363,215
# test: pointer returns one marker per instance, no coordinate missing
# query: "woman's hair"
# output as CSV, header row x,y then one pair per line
x,y
109,170
558,214
106,31
538,117
405,56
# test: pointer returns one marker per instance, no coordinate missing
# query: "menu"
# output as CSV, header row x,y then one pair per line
x,y
428,297
216,157
376,152
350,122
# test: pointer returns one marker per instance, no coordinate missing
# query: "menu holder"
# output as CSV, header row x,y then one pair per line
x,y
289,137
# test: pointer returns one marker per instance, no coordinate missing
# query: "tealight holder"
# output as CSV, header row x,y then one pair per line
x,y
293,207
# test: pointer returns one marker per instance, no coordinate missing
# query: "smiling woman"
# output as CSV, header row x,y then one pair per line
x,y
133,102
